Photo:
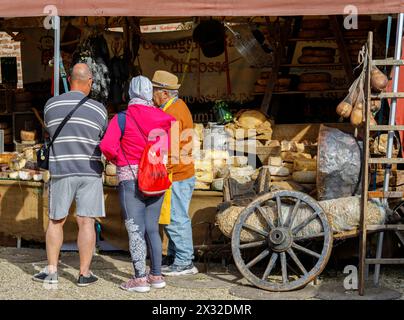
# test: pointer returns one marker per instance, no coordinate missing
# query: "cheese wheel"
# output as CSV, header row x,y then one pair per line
x,y
37,177
304,176
203,165
292,156
202,185
262,82
259,88
283,82
28,135
288,165
278,171
275,161
25,175
6,158
314,86
278,178
315,77
13,175
315,60
287,185
204,176
305,165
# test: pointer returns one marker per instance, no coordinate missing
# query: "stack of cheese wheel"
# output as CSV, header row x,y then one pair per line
x,y
326,53
315,29
110,177
282,83
314,81
300,164
203,174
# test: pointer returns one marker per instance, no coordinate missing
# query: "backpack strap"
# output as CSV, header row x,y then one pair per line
x,y
122,121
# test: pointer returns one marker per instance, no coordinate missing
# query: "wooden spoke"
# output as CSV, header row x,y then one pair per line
x,y
305,250
291,216
297,261
284,268
258,258
291,258
270,266
309,237
265,215
256,230
253,244
279,207
304,223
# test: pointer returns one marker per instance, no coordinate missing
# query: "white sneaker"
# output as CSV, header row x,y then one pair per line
x,y
176,270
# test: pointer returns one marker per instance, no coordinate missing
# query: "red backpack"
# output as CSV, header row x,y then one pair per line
x,y
153,177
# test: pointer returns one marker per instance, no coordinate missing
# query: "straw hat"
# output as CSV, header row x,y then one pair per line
x,y
165,80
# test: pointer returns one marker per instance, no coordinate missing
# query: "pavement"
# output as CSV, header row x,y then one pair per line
x,y
221,283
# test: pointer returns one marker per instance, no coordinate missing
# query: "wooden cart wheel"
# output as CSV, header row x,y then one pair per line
x,y
280,242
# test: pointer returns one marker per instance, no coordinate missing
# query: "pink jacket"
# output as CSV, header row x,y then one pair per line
x,y
133,142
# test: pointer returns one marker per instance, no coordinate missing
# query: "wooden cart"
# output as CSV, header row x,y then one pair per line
x,y
282,260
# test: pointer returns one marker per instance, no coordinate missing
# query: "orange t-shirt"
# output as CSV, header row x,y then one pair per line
x,y
180,161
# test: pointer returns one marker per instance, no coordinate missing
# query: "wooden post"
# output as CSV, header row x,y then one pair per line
x,y
365,169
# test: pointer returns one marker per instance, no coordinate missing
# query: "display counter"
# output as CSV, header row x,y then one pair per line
x,y
24,208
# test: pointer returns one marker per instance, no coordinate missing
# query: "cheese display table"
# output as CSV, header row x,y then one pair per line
x,y
24,207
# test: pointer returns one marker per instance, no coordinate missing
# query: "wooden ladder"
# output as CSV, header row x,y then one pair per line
x,y
364,262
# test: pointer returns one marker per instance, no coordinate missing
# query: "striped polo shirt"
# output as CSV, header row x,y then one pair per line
x,y
76,150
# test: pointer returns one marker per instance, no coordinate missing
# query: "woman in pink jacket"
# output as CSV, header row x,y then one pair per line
x,y
141,214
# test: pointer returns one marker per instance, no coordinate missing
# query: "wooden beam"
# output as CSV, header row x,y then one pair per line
x,y
343,51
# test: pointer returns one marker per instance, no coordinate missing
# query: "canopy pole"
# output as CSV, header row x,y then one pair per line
x,y
56,57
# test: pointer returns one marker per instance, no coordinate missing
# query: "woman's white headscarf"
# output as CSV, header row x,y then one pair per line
x,y
141,91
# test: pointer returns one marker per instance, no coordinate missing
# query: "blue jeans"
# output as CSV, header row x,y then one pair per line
x,y
179,231
141,216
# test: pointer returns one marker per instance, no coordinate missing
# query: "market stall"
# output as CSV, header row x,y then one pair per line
x,y
289,151
245,104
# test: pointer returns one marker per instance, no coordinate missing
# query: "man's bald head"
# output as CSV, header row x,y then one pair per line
x,y
81,78
80,72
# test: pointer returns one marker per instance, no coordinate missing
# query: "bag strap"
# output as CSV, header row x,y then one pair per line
x,y
67,118
122,122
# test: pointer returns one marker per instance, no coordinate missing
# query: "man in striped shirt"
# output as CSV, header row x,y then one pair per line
x,y
76,172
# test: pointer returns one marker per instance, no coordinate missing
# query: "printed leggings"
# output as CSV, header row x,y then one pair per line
x,y
141,216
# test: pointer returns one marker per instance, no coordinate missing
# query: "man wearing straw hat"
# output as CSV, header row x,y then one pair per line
x,y
179,232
